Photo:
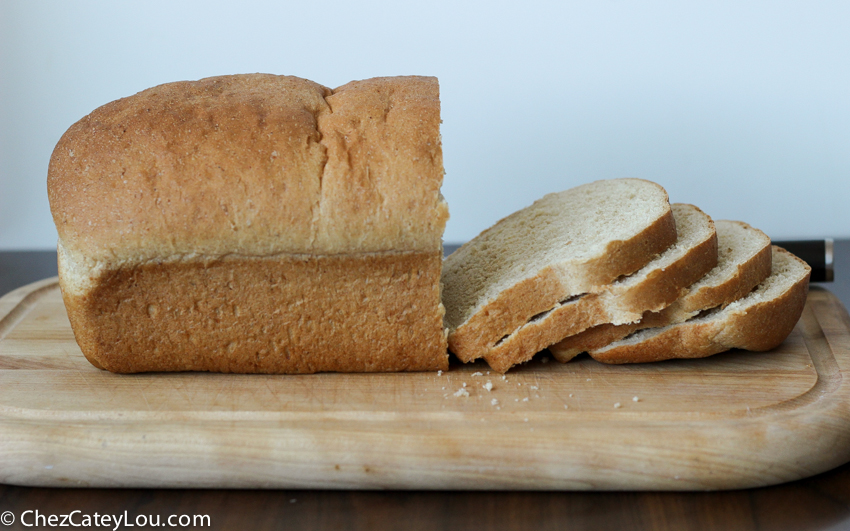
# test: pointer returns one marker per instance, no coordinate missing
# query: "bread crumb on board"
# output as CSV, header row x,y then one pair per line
x,y
461,392
478,374
488,386
617,405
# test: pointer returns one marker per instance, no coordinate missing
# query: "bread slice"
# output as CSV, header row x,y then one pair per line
x,y
255,223
652,287
744,260
563,245
759,321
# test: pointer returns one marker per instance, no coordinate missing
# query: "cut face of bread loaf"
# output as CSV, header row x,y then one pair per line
x,y
625,300
564,245
744,261
255,223
759,321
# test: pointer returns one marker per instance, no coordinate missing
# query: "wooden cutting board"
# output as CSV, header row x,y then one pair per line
x,y
735,420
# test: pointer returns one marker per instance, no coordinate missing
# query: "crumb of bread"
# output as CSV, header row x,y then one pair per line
x,y
495,402
635,399
534,387
617,405
439,373
525,399
478,374
461,392
464,384
488,386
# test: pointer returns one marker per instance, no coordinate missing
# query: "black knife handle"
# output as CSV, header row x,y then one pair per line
x,y
816,253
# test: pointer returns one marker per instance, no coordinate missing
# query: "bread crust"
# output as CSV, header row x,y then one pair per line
x,y
749,274
658,289
518,304
758,327
253,164
266,315
381,184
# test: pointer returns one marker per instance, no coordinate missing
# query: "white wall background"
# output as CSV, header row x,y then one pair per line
x,y
741,107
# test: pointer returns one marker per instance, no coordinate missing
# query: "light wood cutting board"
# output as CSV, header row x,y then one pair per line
x,y
735,420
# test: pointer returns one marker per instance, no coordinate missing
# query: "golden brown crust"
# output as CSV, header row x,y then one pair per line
x,y
517,305
237,164
266,315
211,166
381,184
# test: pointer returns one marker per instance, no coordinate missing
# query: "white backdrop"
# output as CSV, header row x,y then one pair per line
x,y
742,108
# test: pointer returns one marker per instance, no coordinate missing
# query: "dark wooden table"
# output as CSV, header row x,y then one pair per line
x,y
818,503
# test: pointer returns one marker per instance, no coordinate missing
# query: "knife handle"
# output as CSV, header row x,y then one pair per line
x,y
817,253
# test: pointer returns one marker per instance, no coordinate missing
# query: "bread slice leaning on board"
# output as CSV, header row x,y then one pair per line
x,y
625,300
255,223
759,321
564,245
744,261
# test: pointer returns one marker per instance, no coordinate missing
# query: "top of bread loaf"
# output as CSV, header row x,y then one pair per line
x,y
252,165
565,244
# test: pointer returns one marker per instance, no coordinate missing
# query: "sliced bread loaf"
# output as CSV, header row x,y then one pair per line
x,y
564,245
759,321
744,261
653,287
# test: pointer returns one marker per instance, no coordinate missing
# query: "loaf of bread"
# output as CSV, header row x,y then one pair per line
x,y
255,223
